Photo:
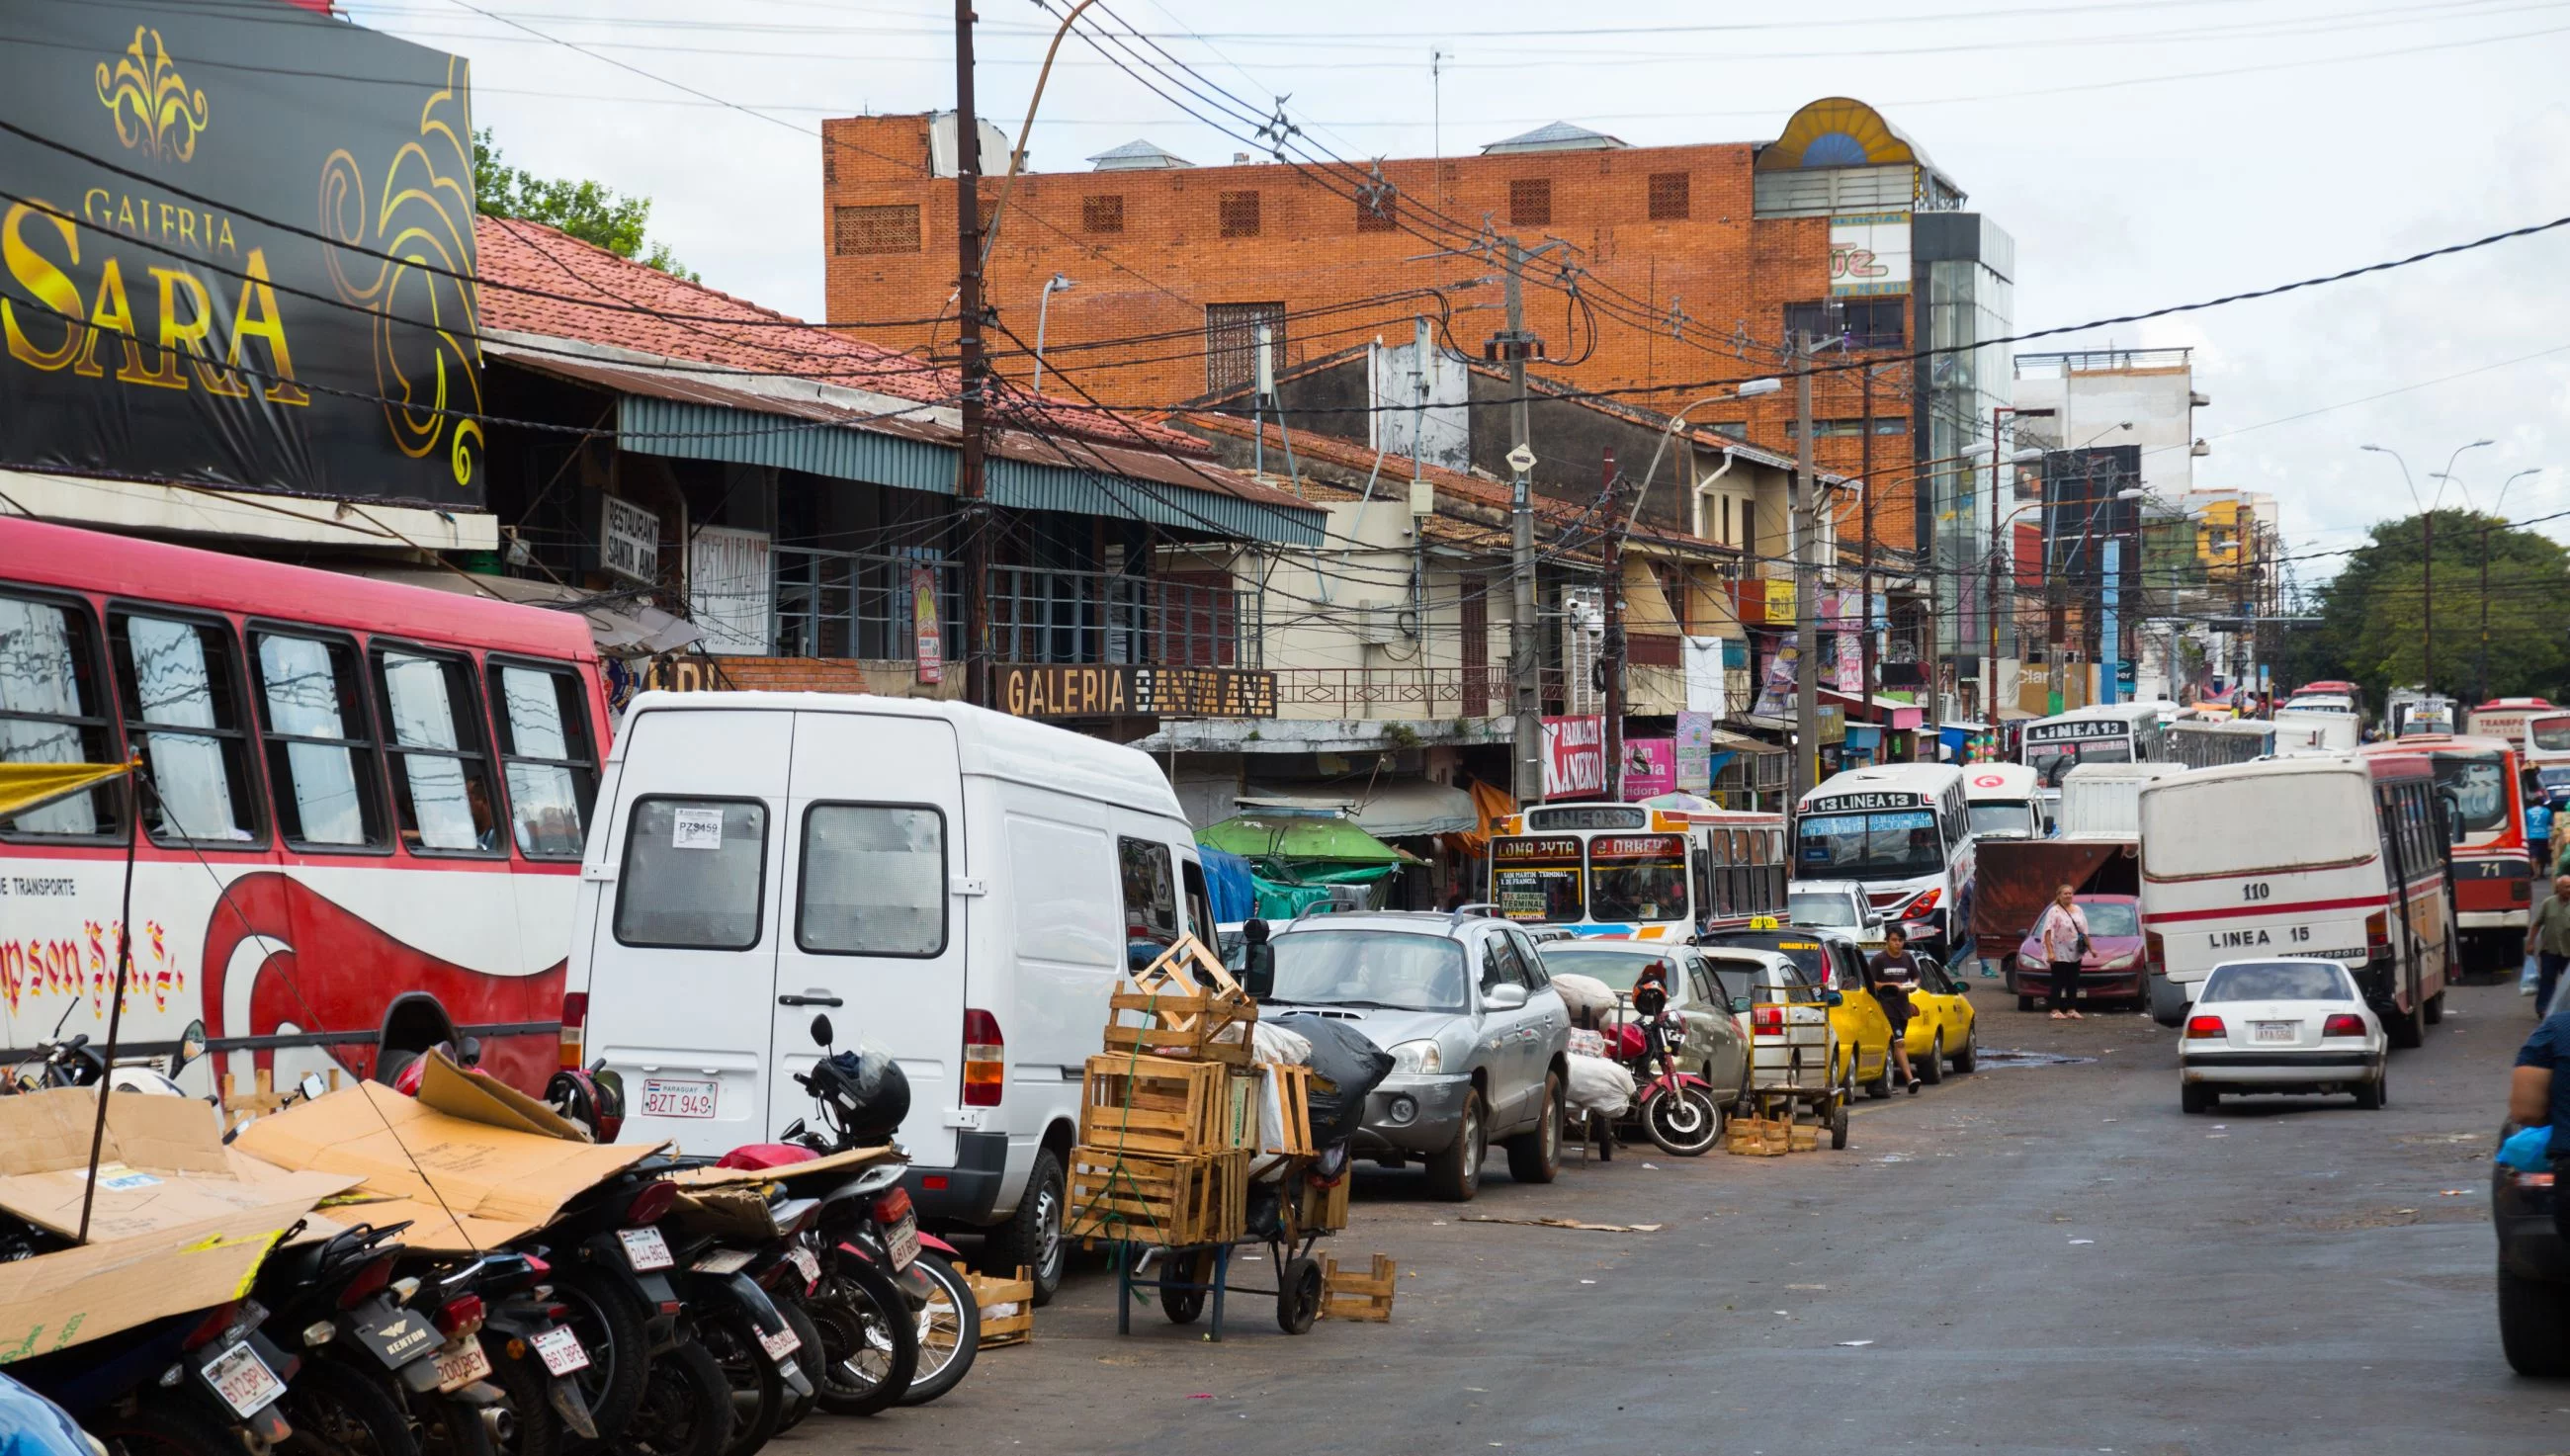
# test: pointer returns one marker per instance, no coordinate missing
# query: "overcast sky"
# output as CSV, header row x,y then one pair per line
x,y
2143,153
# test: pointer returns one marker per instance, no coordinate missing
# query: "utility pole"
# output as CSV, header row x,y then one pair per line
x,y
1524,642
2484,673
2427,589
1610,656
969,491
1807,635
1864,572
1990,606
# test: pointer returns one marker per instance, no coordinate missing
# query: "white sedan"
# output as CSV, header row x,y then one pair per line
x,y
2282,1025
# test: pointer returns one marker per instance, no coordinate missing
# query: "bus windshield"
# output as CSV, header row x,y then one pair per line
x,y
1537,877
2477,784
2552,734
2051,761
1637,877
1896,845
2000,819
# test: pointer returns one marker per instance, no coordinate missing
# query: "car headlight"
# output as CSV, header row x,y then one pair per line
x,y
1418,1057
2124,962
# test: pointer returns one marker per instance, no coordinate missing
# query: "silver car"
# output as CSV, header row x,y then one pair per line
x,y
1477,1036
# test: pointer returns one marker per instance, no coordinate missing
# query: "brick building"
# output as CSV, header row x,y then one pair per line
x,y
1694,263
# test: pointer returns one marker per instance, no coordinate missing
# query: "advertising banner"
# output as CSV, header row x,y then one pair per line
x,y
234,251
1650,767
1575,756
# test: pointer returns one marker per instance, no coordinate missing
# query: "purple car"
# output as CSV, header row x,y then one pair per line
x,y
2111,970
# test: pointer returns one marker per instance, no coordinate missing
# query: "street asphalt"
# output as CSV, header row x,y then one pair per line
x,y
2037,1258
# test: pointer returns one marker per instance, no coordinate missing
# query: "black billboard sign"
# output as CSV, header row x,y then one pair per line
x,y
168,305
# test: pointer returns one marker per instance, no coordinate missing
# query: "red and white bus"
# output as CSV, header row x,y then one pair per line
x,y
2547,748
2336,856
363,820
2480,782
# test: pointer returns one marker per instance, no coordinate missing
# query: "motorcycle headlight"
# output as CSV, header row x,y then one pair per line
x,y
1418,1057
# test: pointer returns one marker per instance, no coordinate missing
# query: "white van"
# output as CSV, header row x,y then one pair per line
x,y
956,886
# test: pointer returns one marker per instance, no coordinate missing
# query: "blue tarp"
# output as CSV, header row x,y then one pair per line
x,y
1227,879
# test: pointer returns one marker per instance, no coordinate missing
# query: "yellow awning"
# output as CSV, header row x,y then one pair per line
x,y
25,786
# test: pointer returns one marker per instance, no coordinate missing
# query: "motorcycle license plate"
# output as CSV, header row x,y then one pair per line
x,y
902,1239
244,1380
460,1364
780,1345
721,1261
397,1340
646,1250
559,1347
806,1263
670,1098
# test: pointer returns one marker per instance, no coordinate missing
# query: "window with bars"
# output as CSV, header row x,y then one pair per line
x,y
1669,196
1375,209
1231,342
1240,214
1530,202
1101,213
890,227
1823,429
1866,323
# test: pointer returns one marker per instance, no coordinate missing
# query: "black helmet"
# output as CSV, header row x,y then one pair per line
x,y
866,1091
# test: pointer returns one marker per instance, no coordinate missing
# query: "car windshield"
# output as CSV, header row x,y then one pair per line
x,y
2277,981
1894,845
2115,918
1618,969
1637,877
2002,820
1827,908
1391,969
1759,980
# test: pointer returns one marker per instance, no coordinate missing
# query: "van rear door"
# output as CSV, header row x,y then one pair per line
x,y
873,935
684,954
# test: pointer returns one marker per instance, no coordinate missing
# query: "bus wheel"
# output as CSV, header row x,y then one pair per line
x,y
2406,1029
2436,1008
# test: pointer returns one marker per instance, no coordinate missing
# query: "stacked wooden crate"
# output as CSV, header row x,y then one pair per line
x,y
1170,1113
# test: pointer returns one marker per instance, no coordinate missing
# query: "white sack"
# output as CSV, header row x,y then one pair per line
x,y
1598,1085
1585,995
1279,1044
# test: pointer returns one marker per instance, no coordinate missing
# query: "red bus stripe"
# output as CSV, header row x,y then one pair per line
x,y
2294,907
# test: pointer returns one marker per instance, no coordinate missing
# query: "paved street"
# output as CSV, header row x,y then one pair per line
x,y
2044,1257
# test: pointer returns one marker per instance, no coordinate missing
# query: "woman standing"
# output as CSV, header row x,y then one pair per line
x,y
2063,933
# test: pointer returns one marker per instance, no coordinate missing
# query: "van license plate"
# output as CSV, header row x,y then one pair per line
x,y
244,1380
664,1098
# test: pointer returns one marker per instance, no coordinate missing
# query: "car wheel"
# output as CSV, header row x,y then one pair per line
x,y
2533,1324
2025,1003
1456,1173
2195,1097
1032,1238
1537,1157
1970,1055
1933,1070
2437,1008
1881,1087
2376,1095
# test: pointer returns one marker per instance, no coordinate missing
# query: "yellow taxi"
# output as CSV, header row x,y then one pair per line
x,y
1942,1025
1833,961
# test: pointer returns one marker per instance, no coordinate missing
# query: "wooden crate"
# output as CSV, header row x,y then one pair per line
x,y
1166,1108
1007,1308
1292,1089
1346,1295
1321,1208
1189,1009
262,1098
1161,1201
1770,1136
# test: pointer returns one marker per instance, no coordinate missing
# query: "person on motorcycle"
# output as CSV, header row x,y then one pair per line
x,y
1891,976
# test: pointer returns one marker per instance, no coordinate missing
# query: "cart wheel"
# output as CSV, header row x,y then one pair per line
x,y
1183,1305
1838,1123
1298,1295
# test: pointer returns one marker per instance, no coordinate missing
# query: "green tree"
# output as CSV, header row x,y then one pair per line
x,y
584,209
2375,622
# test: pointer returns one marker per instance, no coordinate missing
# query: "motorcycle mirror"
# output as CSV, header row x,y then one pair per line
x,y
191,1045
312,1087
821,1032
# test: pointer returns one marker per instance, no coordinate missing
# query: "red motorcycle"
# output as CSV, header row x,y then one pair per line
x,y
1676,1109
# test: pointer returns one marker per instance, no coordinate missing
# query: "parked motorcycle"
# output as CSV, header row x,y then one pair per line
x,y
202,1383
730,1312
1676,1109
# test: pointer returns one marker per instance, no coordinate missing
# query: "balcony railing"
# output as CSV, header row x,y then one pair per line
x,y
844,604
1406,692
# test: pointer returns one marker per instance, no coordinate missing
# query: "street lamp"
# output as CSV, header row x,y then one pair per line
x,y
2498,512
1057,284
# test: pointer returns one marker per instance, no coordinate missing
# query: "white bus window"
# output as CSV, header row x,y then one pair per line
x,y
319,752
51,712
180,684
546,757
1893,844
695,877
441,780
874,880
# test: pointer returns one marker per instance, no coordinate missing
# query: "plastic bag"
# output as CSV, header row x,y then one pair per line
x,y
2529,978
1274,1044
1599,1086
1352,1066
2529,1150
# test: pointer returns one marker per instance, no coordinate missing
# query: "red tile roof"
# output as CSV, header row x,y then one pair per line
x,y
645,309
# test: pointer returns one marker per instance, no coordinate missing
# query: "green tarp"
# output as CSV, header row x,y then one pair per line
x,y
1303,838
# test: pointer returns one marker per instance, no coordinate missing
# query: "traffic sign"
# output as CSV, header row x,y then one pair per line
x,y
1520,459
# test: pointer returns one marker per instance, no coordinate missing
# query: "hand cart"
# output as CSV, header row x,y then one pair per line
x,y
1188,1276
1794,1065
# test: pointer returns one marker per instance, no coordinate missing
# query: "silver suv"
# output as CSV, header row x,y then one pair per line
x,y
1477,1034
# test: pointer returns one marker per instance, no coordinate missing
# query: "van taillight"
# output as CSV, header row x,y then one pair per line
x,y
2377,932
575,1028
986,1060
2155,951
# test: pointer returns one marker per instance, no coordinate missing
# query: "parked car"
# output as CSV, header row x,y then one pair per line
x,y
968,885
1943,1028
1714,1044
1793,1042
2281,1025
1834,961
2533,1270
1477,1036
2112,970
1834,904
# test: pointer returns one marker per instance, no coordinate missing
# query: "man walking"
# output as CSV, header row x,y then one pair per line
x,y
2548,939
2538,826
2063,933
1891,976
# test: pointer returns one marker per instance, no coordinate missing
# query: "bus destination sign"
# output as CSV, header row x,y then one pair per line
x,y
1589,818
2077,729
1841,804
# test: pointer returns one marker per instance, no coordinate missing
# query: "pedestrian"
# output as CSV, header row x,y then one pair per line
x,y
1891,976
2063,932
2548,939
2538,831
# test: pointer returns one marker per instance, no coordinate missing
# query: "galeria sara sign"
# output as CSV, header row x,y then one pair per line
x,y
239,255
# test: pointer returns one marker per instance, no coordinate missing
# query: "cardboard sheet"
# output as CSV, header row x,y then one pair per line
x,y
464,1184
832,1163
